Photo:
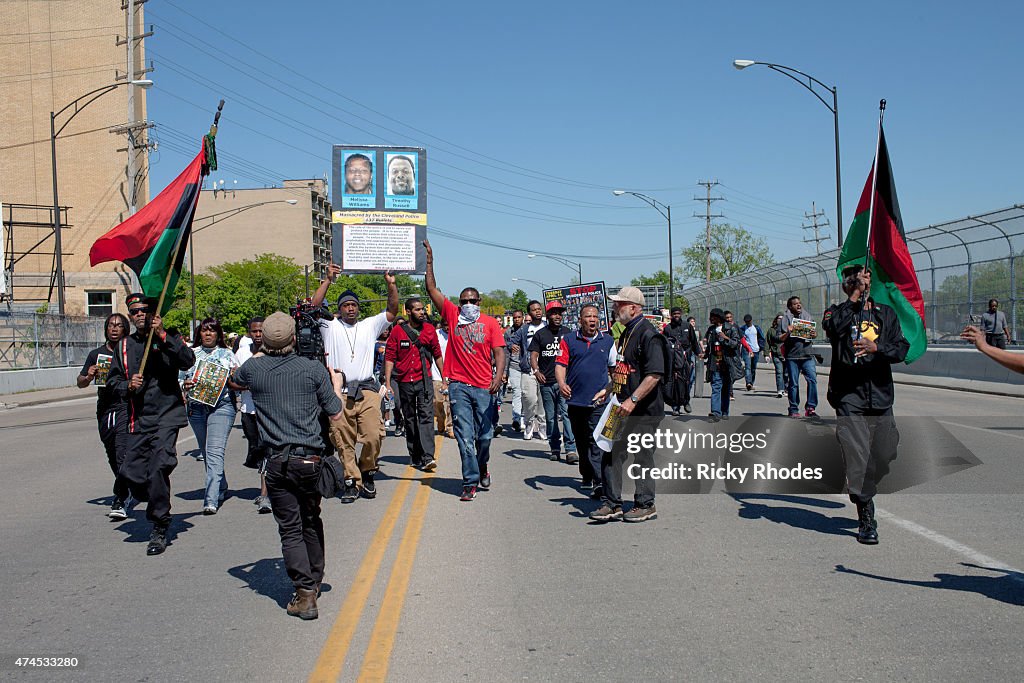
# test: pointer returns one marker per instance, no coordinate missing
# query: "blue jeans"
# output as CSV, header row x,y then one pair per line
x,y
721,385
781,374
471,411
211,427
554,401
750,364
806,367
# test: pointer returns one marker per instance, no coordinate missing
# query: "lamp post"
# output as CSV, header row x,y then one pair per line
x,y
666,212
218,217
578,267
89,98
789,72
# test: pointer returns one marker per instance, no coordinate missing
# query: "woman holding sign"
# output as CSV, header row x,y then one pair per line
x,y
211,408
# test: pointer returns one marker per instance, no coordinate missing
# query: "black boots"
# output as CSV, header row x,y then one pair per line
x,y
157,540
868,531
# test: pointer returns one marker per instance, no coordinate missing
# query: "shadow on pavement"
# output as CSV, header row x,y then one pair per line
x,y
582,505
522,454
1008,588
268,578
796,517
548,480
138,528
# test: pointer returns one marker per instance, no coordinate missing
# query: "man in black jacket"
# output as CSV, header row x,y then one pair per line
x,y
721,356
156,411
866,341
682,342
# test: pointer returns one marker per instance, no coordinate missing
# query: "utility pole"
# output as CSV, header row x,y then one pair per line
x,y
707,216
813,216
132,73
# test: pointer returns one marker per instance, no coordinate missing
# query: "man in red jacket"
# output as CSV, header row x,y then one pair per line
x,y
411,348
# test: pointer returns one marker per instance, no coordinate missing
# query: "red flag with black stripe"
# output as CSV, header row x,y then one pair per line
x,y
150,242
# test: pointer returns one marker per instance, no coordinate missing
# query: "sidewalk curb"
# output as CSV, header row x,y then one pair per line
x,y
38,402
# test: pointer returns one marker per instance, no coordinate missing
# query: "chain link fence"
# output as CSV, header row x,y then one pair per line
x,y
36,340
960,266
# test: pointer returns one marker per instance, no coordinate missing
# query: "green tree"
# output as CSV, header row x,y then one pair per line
x,y
519,301
660,277
733,251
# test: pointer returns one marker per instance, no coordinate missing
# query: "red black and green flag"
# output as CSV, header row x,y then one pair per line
x,y
148,242
893,278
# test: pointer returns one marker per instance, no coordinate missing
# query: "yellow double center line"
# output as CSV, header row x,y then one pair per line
x,y
382,639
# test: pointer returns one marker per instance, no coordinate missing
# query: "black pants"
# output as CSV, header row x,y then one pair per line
x,y
613,463
996,340
418,412
113,434
291,485
251,431
583,420
149,459
868,440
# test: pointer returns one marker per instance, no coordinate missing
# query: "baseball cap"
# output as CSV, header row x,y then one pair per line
x,y
629,295
554,306
278,330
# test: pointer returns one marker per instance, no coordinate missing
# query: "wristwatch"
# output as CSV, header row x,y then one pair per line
x,y
634,398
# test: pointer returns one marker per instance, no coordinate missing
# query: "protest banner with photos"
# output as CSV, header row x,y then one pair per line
x,y
210,378
804,329
575,297
102,369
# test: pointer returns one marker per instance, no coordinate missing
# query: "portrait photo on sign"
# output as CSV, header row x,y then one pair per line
x,y
401,174
359,173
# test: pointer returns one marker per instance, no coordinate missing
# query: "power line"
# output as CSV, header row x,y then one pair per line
x,y
813,216
707,216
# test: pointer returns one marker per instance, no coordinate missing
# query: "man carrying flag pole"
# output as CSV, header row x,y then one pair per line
x,y
880,323
144,370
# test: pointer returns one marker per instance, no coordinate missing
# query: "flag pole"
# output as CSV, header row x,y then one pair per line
x,y
207,140
874,183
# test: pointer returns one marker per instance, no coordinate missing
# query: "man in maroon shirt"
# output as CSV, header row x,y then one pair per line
x,y
410,350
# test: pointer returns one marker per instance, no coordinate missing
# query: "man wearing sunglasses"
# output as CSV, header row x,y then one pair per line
x,y
475,349
156,410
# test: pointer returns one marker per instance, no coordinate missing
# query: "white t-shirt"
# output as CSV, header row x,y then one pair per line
x,y
442,340
243,354
349,348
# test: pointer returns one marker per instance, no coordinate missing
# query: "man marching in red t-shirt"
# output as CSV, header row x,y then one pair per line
x,y
411,350
475,348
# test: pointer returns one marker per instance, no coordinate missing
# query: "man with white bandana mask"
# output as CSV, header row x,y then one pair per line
x,y
475,347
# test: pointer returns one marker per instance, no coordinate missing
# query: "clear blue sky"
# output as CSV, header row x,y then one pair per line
x,y
532,112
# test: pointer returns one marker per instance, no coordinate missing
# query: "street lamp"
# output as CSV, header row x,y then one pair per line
x,y
565,262
218,217
787,71
666,212
92,96
539,284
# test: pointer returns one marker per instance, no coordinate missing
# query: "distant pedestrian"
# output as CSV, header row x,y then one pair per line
x,y
533,404
993,324
756,343
721,358
682,339
442,406
513,375
797,347
775,355
255,452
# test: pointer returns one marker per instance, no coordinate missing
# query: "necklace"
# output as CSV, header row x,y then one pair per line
x,y
351,341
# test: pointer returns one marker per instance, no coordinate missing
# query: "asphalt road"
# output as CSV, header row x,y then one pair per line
x,y
518,585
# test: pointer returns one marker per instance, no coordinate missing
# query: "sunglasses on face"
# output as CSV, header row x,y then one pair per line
x,y
136,311
469,301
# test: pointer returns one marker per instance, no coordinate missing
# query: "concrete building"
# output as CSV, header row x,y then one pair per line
x,y
232,225
51,54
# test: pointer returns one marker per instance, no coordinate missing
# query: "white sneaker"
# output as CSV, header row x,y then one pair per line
x,y
528,432
541,431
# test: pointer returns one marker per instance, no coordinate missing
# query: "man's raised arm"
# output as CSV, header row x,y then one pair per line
x,y
435,294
